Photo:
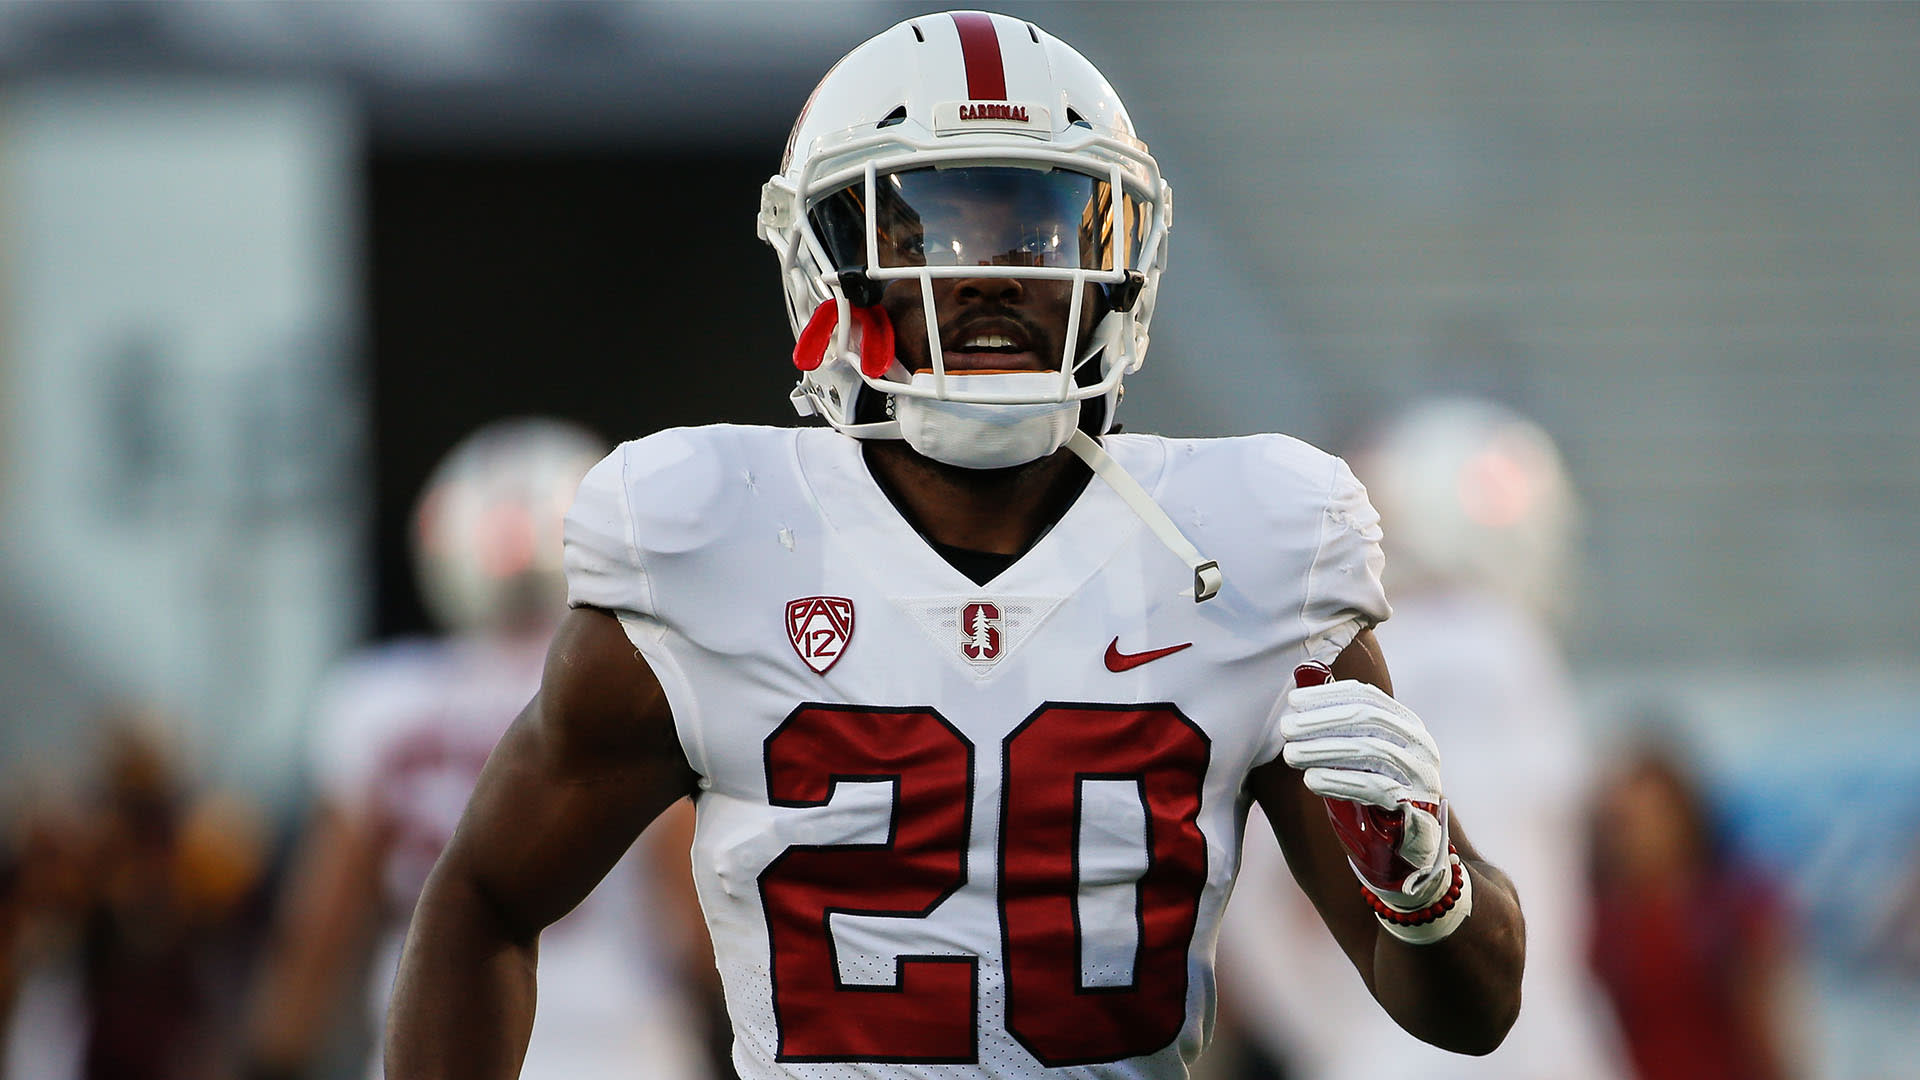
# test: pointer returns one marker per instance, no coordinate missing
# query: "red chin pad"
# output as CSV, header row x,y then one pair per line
x,y
811,347
876,338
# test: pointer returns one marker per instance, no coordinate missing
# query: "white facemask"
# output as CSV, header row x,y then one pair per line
x,y
976,436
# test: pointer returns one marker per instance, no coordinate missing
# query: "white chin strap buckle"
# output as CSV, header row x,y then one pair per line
x,y
1207,580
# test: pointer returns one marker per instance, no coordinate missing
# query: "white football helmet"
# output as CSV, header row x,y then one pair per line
x,y
1472,494
900,146
487,526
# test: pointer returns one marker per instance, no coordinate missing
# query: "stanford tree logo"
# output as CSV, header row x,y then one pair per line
x,y
982,631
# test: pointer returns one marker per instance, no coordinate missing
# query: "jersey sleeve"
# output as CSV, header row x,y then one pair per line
x,y
1344,595
602,557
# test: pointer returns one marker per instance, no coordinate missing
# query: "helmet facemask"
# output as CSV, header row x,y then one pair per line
x,y
897,227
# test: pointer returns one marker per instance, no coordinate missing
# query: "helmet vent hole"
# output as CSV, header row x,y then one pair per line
x,y
917,35
898,115
1034,33
1074,118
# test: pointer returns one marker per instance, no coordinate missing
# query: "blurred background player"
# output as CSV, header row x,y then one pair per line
x,y
401,733
1478,517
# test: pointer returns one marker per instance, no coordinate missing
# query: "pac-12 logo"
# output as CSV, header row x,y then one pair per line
x,y
982,631
819,628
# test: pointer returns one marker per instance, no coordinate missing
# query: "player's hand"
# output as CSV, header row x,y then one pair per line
x,y
1378,768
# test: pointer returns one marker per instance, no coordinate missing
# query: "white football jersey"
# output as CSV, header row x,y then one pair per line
x,y
402,731
960,830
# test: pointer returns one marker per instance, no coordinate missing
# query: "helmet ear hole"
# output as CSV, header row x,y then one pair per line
x,y
1123,296
862,291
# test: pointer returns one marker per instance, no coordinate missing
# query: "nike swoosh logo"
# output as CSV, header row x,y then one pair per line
x,y
1118,661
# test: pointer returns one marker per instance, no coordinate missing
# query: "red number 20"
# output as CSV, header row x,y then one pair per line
x,y
928,1014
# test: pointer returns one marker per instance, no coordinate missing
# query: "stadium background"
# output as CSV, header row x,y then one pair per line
x,y
261,263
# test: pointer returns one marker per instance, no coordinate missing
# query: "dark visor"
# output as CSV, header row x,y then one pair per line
x,y
980,216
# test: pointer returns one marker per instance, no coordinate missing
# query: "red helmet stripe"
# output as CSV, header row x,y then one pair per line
x,y
980,49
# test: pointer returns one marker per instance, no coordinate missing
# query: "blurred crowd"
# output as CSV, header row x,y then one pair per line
x,y
130,911
152,927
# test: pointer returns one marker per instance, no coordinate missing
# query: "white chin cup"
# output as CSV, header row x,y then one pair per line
x,y
998,436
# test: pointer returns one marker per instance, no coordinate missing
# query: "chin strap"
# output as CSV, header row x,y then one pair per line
x,y
1206,572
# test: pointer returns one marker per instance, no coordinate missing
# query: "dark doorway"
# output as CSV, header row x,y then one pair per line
x,y
625,291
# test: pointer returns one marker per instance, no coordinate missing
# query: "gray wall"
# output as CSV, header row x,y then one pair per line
x,y
1686,237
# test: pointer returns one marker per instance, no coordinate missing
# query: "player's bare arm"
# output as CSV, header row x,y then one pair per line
x,y
589,763
1461,993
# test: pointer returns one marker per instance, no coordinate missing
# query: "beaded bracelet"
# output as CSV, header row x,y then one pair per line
x,y
1435,921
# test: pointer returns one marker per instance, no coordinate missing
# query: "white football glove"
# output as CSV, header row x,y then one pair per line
x,y
1378,768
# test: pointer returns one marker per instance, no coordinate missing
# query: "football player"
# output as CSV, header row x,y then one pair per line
x,y
972,694
401,733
